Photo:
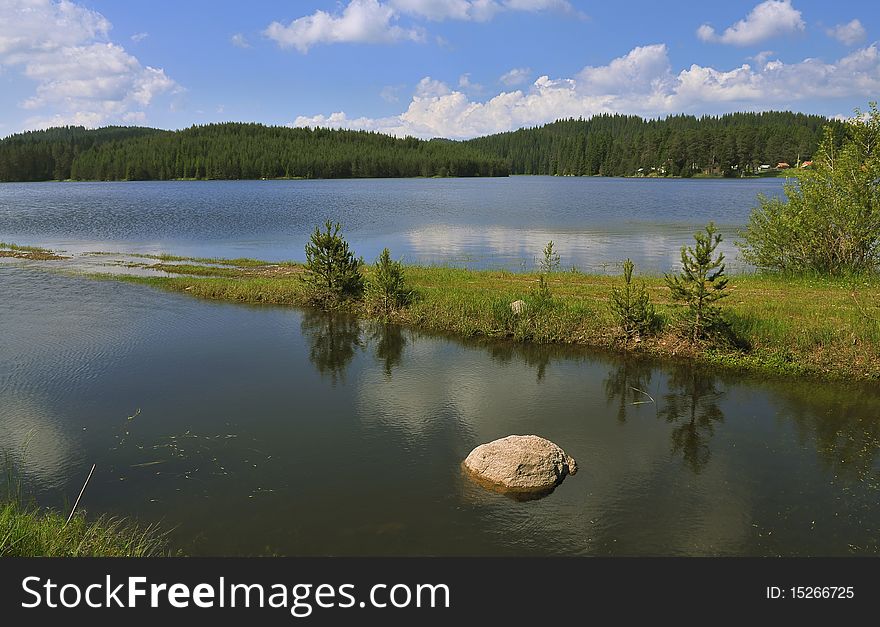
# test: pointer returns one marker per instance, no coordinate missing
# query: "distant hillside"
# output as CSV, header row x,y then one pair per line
x,y
47,155
606,145
680,145
233,151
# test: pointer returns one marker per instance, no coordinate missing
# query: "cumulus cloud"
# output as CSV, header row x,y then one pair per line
x,y
376,22
391,93
474,10
639,82
362,21
239,41
139,37
850,33
430,88
81,78
516,76
769,19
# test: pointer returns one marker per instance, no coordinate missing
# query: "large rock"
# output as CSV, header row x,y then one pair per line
x,y
520,464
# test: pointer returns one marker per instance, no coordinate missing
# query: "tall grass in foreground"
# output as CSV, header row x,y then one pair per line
x,y
29,531
26,531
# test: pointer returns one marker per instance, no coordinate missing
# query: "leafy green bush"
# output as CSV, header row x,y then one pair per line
x,y
333,271
701,284
631,306
830,222
386,290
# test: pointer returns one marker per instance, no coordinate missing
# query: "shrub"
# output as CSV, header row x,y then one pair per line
x,y
386,290
333,272
631,306
701,284
551,260
830,222
540,296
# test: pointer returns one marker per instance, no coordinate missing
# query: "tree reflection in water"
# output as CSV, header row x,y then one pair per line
x,y
537,356
333,341
691,404
843,422
628,385
390,342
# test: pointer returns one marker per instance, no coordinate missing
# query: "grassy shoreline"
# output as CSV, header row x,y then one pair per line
x,y
27,531
805,326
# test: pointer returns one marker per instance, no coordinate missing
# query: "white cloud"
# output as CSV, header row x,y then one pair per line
x,y
850,33
644,70
516,76
139,37
239,41
80,77
34,26
769,19
362,21
375,21
430,88
466,84
762,57
640,82
474,10
390,93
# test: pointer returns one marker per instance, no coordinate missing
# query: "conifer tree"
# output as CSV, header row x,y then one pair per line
x,y
701,283
631,306
333,274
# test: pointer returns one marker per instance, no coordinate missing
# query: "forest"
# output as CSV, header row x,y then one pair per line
x,y
233,151
737,144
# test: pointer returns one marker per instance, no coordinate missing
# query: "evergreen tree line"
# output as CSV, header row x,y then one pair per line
x,y
735,144
234,151
49,155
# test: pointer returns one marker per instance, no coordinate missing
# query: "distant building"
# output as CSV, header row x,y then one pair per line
x,y
782,166
807,164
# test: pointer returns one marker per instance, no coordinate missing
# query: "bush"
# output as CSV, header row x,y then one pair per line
x,y
631,306
701,284
551,260
540,297
830,222
333,272
386,290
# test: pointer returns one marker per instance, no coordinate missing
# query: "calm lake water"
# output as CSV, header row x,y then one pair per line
x,y
279,431
595,222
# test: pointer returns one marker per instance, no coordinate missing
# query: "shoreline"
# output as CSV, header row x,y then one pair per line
x,y
699,177
808,327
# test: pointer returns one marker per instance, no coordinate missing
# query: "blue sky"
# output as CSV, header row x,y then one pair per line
x,y
454,68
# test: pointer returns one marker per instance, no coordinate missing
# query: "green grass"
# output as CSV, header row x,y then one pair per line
x,y
26,531
816,326
241,262
23,249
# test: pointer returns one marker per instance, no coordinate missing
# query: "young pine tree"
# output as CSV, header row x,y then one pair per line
x,y
551,260
387,289
333,272
701,283
631,306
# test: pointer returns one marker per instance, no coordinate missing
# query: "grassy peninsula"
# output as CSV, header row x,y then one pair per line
x,y
814,326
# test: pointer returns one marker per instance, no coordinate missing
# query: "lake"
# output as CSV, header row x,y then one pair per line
x,y
261,431
264,431
481,223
